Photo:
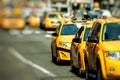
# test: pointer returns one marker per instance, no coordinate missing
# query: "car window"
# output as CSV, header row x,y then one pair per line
x,y
55,16
86,33
111,31
96,30
64,10
69,29
58,29
78,34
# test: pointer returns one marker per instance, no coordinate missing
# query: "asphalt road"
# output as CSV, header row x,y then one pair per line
x,y
26,55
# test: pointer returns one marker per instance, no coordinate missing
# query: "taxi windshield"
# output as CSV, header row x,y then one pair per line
x,y
55,16
111,31
69,29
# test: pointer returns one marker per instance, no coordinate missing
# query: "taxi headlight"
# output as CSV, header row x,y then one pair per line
x,y
52,22
114,55
65,44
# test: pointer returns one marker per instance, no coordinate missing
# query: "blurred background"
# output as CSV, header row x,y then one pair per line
x,y
25,6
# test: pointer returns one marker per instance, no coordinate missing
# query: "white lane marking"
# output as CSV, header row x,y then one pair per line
x,y
50,32
48,35
37,32
14,32
27,32
19,56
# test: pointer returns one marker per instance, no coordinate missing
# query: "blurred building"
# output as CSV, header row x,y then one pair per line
x,y
106,4
62,6
116,9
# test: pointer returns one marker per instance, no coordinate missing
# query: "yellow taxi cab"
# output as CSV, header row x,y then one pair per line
x,y
34,19
102,51
52,20
61,41
18,10
2,13
13,22
1,18
78,46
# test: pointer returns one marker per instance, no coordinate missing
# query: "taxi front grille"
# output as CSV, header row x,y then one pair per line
x,y
63,49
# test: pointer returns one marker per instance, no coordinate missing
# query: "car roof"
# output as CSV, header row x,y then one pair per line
x,y
54,12
108,20
69,23
89,23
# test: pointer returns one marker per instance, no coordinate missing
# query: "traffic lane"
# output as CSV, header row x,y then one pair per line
x,y
12,37
10,67
36,48
13,69
43,60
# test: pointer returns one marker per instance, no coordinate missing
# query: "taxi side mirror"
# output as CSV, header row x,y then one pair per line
x,y
77,40
54,34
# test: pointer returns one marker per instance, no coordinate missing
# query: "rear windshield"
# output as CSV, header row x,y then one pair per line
x,y
111,31
69,29
55,16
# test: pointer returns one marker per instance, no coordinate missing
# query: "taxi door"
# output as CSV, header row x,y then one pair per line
x,y
75,46
93,46
54,38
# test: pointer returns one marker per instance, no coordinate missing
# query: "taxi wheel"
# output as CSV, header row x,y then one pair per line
x,y
79,70
57,59
99,74
71,63
53,58
87,71
42,26
52,52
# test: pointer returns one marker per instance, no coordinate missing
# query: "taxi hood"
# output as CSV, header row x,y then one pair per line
x,y
66,38
111,45
56,19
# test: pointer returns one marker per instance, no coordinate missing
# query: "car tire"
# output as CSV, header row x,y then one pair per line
x,y
99,74
80,73
53,58
79,70
42,26
57,61
71,63
87,71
